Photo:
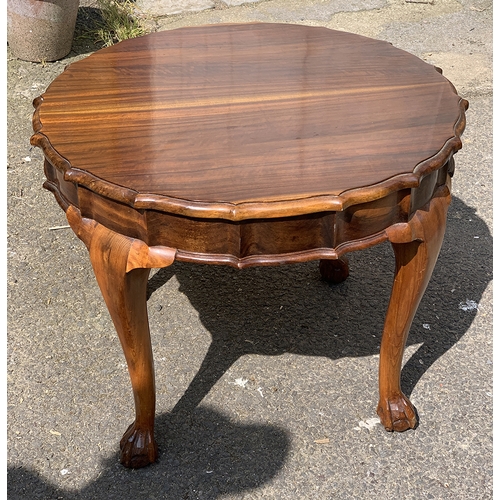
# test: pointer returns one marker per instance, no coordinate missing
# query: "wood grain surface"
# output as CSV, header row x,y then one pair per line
x,y
242,121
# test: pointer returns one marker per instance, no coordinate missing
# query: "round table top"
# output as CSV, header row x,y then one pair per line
x,y
230,120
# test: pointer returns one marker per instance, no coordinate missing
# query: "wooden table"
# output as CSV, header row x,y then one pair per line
x,y
251,144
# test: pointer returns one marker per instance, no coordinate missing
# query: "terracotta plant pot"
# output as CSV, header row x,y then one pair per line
x,y
41,30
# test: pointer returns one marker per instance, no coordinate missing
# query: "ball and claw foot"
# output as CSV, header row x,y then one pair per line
x,y
138,448
334,271
397,414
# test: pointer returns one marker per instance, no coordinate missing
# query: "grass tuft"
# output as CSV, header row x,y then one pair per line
x,y
119,22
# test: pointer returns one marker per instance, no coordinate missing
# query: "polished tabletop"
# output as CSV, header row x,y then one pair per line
x,y
212,120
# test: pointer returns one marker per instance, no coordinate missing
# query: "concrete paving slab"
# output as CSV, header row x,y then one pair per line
x,y
170,7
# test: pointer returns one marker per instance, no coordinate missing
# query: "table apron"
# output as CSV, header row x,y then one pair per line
x,y
273,241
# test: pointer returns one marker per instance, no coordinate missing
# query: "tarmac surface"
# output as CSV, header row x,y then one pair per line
x,y
286,360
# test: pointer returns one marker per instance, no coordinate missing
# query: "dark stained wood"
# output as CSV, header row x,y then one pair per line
x,y
255,144
229,117
267,241
334,271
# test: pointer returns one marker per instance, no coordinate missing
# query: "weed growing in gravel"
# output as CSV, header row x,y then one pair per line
x,y
119,22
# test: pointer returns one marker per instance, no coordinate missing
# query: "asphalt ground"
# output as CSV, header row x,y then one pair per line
x,y
254,367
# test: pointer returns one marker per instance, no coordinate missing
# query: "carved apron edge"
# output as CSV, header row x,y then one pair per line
x,y
413,230
140,255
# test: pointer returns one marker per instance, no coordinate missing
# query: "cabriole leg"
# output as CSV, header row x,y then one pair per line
x,y
415,260
125,297
121,266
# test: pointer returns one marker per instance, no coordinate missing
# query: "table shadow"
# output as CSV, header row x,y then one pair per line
x,y
209,456
289,309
